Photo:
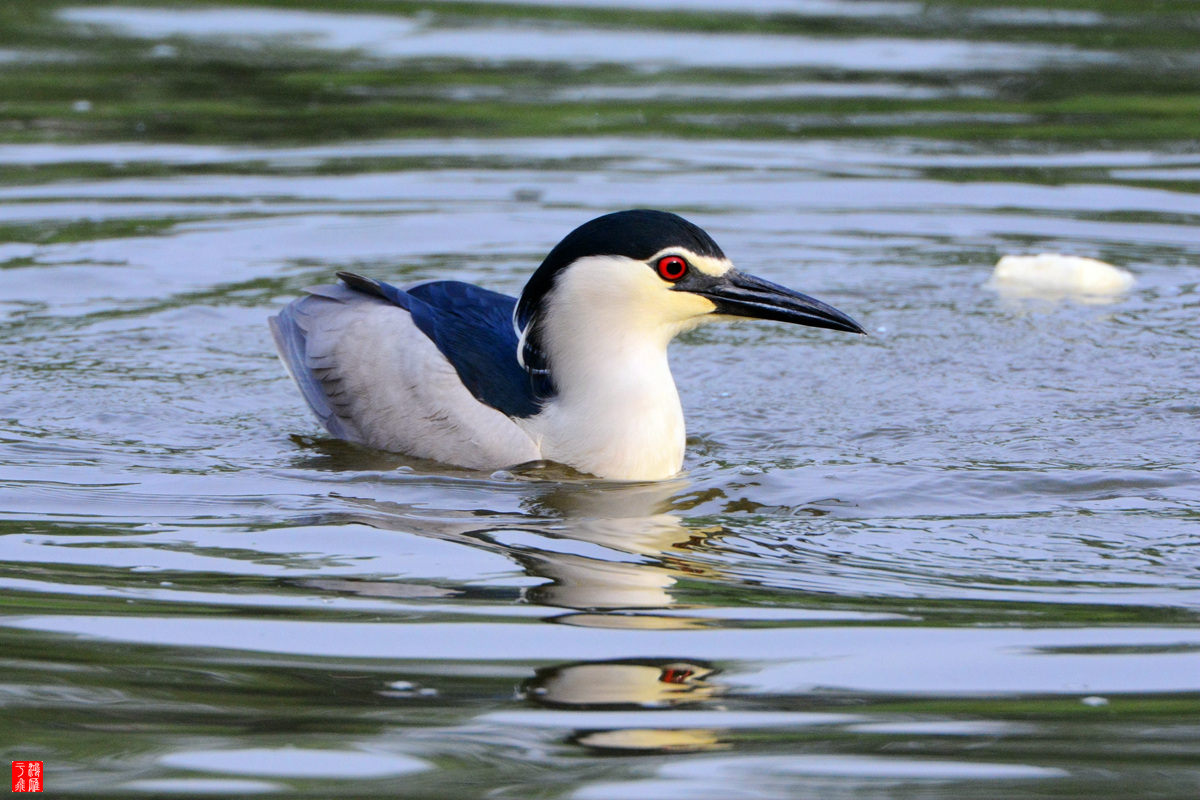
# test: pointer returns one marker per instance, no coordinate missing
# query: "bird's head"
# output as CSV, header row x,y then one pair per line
x,y
648,275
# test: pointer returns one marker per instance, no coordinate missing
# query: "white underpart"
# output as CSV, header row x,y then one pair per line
x,y
1054,274
608,322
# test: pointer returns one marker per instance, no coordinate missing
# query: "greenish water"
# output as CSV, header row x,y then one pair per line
x,y
959,558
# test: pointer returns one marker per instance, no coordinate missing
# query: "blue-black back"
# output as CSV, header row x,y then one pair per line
x,y
472,327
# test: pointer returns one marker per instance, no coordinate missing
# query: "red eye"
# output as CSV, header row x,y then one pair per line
x,y
672,268
675,675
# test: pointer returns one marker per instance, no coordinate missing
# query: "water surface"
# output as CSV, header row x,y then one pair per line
x,y
958,558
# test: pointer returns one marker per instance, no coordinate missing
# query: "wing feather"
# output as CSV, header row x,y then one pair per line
x,y
372,375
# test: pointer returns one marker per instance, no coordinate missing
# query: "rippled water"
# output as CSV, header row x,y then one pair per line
x,y
959,558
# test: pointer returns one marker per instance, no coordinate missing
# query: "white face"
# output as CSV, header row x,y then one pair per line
x,y
630,297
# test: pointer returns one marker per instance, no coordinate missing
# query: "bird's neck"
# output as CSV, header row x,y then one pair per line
x,y
616,413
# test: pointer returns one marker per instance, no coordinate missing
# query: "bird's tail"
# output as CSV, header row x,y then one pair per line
x,y
291,330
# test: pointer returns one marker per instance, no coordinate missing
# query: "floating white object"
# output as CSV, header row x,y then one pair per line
x,y
1052,273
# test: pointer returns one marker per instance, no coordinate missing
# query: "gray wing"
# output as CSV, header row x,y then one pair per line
x,y
371,376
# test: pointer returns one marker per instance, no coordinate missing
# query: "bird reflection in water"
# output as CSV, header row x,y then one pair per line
x,y
641,551
640,683
633,684
611,555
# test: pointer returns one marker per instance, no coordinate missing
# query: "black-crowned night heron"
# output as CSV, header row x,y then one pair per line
x,y
574,371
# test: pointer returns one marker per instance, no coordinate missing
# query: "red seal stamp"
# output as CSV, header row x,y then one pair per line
x,y
27,776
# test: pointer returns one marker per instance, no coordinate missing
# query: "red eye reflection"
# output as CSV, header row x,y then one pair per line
x,y
675,675
672,268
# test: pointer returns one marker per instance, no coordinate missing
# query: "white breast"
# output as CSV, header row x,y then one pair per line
x,y
617,413
629,428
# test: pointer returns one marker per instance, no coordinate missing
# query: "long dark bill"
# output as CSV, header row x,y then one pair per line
x,y
737,294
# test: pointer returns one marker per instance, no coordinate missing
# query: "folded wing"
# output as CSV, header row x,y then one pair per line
x,y
371,361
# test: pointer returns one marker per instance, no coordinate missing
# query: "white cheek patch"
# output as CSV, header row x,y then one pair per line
x,y
621,296
716,267
686,305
